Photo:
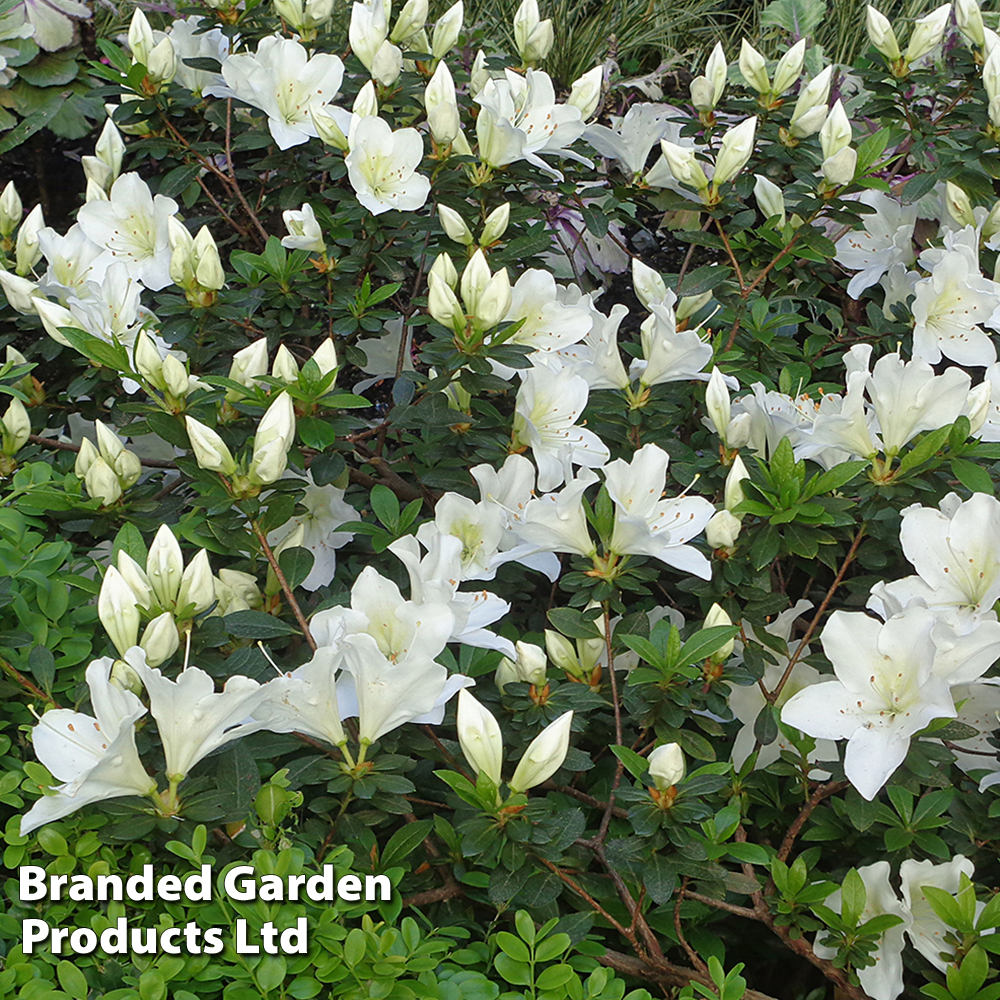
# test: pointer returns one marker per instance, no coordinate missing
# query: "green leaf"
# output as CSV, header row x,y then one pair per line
x,y
72,980
973,477
405,841
256,625
853,896
573,624
800,18
635,764
385,506
296,564
516,973
99,351
513,946
705,642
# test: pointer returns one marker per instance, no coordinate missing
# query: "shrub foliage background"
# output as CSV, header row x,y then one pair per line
x,y
675,423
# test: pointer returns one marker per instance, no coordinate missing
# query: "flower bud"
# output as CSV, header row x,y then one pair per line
x,y
443,304
94,191
84,458
209,449
15,426
27,251
444,269
753,68
479,74
586,92
647,283
243,585
506,673
495,225
717,616
666,766
116,607
160,639
197,586
959,206
412,19
881,35
840,168
475,278
684,165
444,122
733,495
387,64
928,32
562,652
836,132
175,377
706,90
274,437
52,315
479,737
208,269
770,199
328,128
722,530
11,210
165,567
789,67
447,30
140,38
977,406
325,356
125,678
810,109
532,36
531,663
162,65
735,150
284,366
969,19
688,305
717,403
366,103
367,30
247,364
454,225
135,576
739,430
544,756
102,482
495,301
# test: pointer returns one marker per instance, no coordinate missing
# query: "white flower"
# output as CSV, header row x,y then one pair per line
x,y
549,324
190,43
928,32
284,82
192,718
94,756
646,524
381,167
275,435
556,522
630,139
304,232
886,690
887,238
666,765
132,228
927,930
884,979
305,700
545,420
326,510
669,356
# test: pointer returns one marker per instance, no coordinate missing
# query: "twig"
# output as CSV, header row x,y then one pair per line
x,y
151,463
821,793
692,955
237,190
29,686
283,582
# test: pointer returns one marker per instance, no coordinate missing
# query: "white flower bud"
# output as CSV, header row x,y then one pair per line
x,y
836,132
147,361
102,483
770,199
162,65
325,356
274,437
753,68
495,301
506,673
209,449
447,30
412,19
648,284
165,567
706,90
16,426
366,103
444,269
11,210
52,315
928,32
84,458
387,64
27,251
532,36
116,607
495,225
586,92
734,152
562,652
531,663
208,270
454,225
243,585
327,128
135,576
722,530
247,364
688,305
959,206
840,168
733,495
977,406
284,366
666,766
969,19
197,587
789,67
160,639
443,304
479,74
881,35
544,756
684,165
94,191
479,737
445,123
717,403
717,616
810,109
475,278
140,38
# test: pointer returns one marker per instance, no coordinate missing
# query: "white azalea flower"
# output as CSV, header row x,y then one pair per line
x,y
630,139
556,522
669,356
884,979
132,228
548,406
549,324
382,164
927,930
886,239
94,756
886,690
283,81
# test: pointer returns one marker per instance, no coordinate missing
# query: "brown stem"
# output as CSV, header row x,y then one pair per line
x,y
283,582
11,671
620,769
821,793
237,190
692,955
588,799
583,894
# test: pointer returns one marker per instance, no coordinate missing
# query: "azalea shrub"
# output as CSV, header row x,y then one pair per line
x,y
572,500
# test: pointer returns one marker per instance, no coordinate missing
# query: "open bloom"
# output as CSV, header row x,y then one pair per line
x,y
94,756
927,930
886,690
382,164
283,81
